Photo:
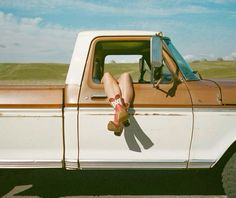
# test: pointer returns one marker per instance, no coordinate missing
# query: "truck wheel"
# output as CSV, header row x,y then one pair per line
x,y
229,177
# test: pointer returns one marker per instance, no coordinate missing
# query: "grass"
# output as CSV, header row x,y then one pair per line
x,y
116,69
45,73
33,73
216,69
207,69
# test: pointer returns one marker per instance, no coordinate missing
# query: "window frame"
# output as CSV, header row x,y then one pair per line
x,y
88,74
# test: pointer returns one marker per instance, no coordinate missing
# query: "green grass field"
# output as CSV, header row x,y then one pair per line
x,y
33,73
216,69
45,73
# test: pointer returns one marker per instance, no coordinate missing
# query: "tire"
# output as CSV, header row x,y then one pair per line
x,y
229,177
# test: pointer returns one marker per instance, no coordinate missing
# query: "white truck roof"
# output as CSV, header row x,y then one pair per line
x,y
81,50
116,33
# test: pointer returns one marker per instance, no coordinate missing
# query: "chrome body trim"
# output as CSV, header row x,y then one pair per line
x,y
71,165
30,164
130,165
201,163
223,109
34,112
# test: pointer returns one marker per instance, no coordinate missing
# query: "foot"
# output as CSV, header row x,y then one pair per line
x,y
120,117
114,127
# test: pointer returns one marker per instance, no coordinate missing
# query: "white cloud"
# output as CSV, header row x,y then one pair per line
x,y
30,4
31,21
221,1
140,8
129,8
26,40
232,56
191,57
123,58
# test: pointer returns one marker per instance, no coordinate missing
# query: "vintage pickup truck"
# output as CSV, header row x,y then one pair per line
x,y
177,119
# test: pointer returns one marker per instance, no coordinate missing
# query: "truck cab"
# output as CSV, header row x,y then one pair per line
x,y
167,122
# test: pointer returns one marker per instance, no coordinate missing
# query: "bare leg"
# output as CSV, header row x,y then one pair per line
x,y
113,92
111,86
126,87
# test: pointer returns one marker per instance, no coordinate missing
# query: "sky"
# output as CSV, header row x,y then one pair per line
x,y
46,30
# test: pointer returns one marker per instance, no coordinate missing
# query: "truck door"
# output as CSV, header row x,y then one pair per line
x,y
161,119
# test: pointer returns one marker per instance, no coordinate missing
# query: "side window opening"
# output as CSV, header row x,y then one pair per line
x,y
117,57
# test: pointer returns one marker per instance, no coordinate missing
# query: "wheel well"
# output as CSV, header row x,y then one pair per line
x,y
226,156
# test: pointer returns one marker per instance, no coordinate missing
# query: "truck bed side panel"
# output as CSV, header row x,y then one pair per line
x,y
31,133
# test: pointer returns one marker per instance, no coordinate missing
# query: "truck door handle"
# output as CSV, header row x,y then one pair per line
x,y
98,96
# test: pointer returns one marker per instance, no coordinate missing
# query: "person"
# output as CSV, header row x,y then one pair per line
x,y
120,94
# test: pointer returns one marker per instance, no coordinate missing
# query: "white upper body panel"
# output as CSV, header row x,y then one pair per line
x,y
81,50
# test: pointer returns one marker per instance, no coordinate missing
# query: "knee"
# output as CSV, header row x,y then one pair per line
x,y
125,76
106,76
